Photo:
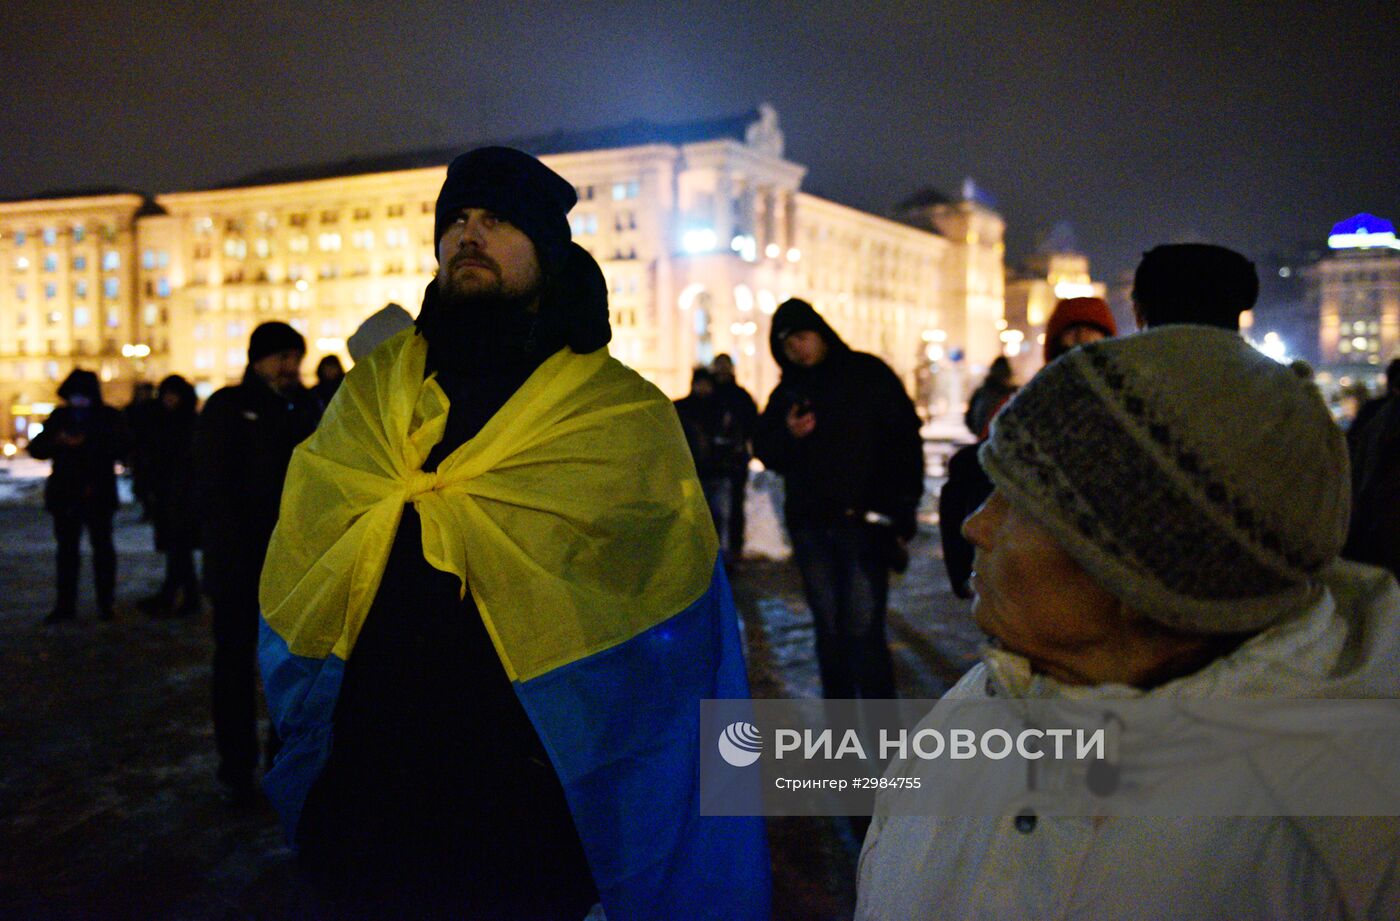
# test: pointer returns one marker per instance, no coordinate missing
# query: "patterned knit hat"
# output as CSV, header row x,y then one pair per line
x,y
1197,480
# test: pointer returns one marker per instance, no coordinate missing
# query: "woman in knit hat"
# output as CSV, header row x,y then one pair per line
x,y
1165,526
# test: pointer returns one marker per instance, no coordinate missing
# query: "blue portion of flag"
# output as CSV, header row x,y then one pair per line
x,y
301,695
623,729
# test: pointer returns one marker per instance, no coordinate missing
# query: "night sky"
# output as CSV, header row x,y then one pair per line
x,y
1256,125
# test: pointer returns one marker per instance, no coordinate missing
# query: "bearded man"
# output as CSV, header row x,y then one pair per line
x,y
493,602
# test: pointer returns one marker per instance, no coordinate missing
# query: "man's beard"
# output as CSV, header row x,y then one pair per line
x,y
489,300
477,327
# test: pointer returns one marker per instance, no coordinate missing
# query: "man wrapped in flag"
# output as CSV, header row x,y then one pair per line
x,y
493,603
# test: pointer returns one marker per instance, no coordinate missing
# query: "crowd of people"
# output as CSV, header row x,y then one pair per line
x,y
483,575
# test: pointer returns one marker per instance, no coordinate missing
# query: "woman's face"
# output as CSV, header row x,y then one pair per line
x,y
1038,602
1079,334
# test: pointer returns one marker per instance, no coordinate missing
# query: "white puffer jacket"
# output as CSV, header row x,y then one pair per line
x,y
1347,646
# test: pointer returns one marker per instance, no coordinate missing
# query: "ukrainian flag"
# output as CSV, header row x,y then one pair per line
x,y
576,520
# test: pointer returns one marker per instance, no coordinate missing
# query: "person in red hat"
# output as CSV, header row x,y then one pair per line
x,y
1077,321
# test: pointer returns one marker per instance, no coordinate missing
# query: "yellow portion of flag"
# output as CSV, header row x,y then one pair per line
x,y
574,515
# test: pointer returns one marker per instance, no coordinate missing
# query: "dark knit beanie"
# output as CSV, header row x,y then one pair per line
x,y
1197,480
520,189
273,337
1076,311
1194,283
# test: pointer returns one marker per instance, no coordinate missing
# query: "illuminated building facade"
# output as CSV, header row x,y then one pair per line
x,y
1356,288
68,291
701,230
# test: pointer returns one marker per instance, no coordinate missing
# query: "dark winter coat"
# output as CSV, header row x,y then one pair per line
x,y
967,488
865,453
740,421
174,498
703,421
83,477
243,444
1374,536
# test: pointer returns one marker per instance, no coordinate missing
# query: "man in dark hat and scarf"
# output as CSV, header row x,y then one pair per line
x,y
845,436
492,603
243,442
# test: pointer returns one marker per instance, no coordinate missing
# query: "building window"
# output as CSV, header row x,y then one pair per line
x,y
163,287
204,225
54,318
330,270
296,220
299,244
114,318
81,316
111,288
427,207
148,259
395,237
50,262
162,259
625,190
235,248
150,315
80,290
262,247
361,214
21,263
79,263
111,260
394,211
78,233
21,318
585,192
363,239
20,238
50,236
328,242
330,217
50,291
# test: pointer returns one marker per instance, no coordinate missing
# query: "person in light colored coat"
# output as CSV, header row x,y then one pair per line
x,y
1166,523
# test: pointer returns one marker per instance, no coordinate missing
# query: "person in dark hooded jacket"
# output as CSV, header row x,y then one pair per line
x,y
845,437
84,439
